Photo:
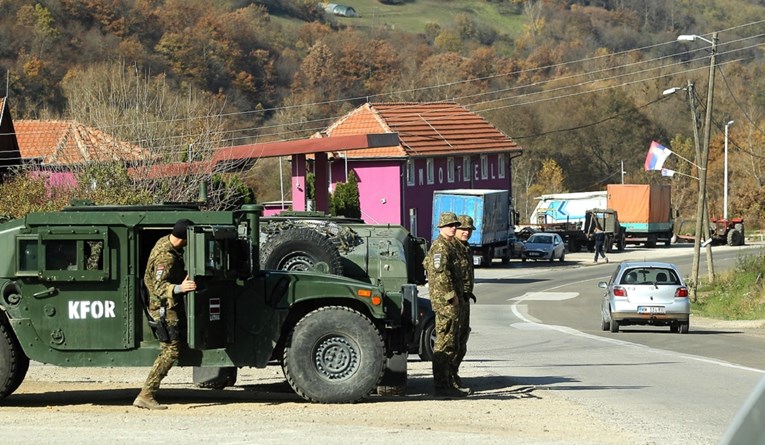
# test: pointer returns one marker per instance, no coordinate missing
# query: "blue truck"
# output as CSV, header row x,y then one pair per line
x,y
493,216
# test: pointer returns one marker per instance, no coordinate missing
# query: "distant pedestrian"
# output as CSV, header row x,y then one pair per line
x,y
446,287
600,237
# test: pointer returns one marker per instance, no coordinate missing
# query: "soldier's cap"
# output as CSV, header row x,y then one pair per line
x,y
179,229
448,219
466,222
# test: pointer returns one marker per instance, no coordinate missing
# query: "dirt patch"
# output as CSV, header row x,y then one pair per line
x,y
263,406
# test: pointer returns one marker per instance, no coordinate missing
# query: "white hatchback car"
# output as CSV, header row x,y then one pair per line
x,y
645,293
544,246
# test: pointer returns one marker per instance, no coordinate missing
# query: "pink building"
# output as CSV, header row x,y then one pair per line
x,y
441,146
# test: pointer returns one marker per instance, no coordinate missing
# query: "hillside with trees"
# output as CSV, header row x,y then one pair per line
x,y
577,83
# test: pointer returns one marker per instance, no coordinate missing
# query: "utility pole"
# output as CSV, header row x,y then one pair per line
x,y
701,220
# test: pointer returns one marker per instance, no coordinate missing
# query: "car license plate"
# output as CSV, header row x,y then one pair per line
x,y
651,310
534,254
476,261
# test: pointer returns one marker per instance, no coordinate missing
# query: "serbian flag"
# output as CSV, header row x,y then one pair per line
x,y
667,172
657,154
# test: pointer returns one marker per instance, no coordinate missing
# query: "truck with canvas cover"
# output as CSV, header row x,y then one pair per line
x,y
72,294
645,212
493,216
568,214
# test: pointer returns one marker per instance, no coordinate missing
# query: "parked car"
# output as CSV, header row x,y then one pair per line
x,y
544,246
645,293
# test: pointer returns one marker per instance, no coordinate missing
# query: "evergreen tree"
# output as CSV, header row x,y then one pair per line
x,y
345,200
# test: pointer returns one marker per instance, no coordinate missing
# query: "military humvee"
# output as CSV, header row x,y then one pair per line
x,y
72,294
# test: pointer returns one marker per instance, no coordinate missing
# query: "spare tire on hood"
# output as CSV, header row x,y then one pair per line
x,y
301,249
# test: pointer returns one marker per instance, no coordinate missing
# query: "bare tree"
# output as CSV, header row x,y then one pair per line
x,y
177,135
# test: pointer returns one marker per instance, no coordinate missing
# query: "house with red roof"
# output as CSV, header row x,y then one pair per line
x,y
55,147
400,152
441,146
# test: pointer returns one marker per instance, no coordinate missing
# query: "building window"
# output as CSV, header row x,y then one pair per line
x,y
501,165
466,168
410,172
430,173
484,167
450,169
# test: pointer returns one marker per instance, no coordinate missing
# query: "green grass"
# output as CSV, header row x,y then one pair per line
x,y
738,294
413,16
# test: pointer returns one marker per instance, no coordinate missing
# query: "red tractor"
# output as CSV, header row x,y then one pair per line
x,y
728,231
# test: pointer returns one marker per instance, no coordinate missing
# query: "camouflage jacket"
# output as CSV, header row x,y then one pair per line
x,y
444,273
466,266
164,270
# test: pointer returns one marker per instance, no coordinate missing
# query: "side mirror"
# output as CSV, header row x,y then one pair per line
x,y
603,285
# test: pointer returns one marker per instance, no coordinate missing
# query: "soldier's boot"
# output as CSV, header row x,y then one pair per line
x,y
457,384
146,400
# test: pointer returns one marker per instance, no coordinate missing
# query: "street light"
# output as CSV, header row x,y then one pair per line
x,y
694,118
725,174
703,165
694,37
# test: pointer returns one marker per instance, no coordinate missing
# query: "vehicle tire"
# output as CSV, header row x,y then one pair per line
x,y
301,249
428,341
614,325
552,256
13,362
674,327
334,355
562,257
573,245
735,238
506,258
668,241
604,324
523,259
608,243
622,244
488,257
214,378
394,380
684,327
651,241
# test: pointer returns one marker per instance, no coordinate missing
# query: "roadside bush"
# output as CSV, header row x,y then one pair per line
x,y
738,294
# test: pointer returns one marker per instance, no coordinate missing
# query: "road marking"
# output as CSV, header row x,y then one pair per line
x,y
545,296
529,324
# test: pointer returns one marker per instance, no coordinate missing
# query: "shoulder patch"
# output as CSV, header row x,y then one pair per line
x,y
437,260
160,272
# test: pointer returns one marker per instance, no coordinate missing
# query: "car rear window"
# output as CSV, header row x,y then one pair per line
x,y
649,275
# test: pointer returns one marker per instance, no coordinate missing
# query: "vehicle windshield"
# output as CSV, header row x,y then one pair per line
x,y
650,275
541,239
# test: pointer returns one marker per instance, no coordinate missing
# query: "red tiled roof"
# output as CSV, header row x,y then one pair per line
x,y
158,171
69,142
424,129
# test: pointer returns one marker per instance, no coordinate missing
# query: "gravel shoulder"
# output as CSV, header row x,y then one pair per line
x,y
87,405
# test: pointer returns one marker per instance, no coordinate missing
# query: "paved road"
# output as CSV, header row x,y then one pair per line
x,y
666,387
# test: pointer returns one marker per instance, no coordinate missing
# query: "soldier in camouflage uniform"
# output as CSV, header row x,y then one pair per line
x,y
465,260
446,295
167,282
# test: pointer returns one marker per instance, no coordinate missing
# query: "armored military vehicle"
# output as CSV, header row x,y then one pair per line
x,y
386,255
72,294
299,241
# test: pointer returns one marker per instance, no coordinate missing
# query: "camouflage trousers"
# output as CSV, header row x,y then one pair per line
x,y
445,349
164,361
464,334
168,355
